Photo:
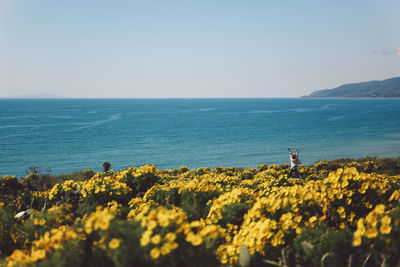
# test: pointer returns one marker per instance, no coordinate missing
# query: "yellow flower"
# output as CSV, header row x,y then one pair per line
x,y
360,223
173,245
312,219
386,220
164,222
155,253
297,219
340,209
395,195
88,226
380,209
357,240
196,240
152,225
38,255
42,221
170,237
114,243
145,240
35,221
156,239
371,219
278,238
101,224
385,229
371,233
361,229
165,249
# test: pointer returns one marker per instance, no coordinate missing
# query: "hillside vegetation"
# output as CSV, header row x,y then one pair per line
x,y
385,88
339,213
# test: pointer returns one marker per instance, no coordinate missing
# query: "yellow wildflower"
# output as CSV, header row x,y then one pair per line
x,y
114,243
38,255
386,220
151,225
312,219
156,239
380,209
155,253
385,229
357,240
371,233
165,249
196,240
170,237
145,240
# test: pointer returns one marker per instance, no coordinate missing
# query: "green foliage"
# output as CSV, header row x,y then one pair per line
x,y
87,206
313,243
96,257
262,167
106,166
75,176
141,183
36,180
129,252
71,254
234,213
201,171
10,188
195,204
167,198
247,174
9,228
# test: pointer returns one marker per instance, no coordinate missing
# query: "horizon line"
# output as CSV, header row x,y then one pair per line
x,y
176,98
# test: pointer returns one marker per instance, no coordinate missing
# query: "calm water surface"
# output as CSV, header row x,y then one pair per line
x,y
74,134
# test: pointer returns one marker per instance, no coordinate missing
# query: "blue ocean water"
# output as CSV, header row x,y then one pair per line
x,y
74,134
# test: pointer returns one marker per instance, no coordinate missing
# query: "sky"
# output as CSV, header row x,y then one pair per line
x,y
190,49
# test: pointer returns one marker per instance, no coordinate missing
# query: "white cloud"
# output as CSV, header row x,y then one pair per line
x,y
388,52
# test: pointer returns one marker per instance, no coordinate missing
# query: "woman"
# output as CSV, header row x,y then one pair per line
x,y
294,161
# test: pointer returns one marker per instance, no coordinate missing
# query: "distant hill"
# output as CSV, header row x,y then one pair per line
x,y
36,96
385,88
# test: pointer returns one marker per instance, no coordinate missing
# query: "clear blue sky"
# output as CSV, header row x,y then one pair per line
x,y
202,48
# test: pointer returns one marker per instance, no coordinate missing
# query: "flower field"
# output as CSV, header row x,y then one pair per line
x,y
142,216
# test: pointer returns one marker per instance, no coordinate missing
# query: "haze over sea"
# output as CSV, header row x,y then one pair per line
x,y
74,134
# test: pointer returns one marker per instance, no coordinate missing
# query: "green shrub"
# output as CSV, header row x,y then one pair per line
x,y
88,173
11,231
71,254
142,182
195,203
312,244
106,166
167,198
262,167
234,213
129,252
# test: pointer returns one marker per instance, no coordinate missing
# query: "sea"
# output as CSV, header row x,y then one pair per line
x,y
66,135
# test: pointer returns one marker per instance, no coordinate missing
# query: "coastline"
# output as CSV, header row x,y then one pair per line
x,y
389,165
